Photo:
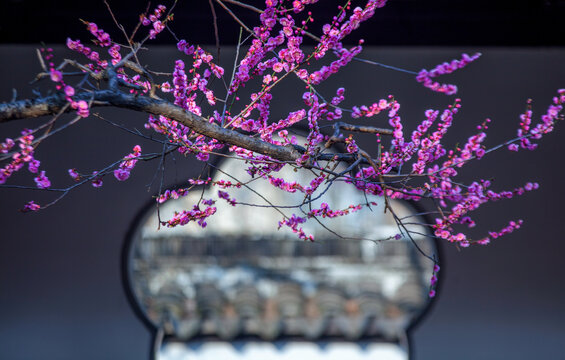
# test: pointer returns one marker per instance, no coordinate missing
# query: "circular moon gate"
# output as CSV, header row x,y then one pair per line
x,y
242,278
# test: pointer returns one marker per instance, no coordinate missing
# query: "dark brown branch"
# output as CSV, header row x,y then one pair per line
x,y
53,104
335,138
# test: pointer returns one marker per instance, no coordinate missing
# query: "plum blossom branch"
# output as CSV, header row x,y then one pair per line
x,y
192,119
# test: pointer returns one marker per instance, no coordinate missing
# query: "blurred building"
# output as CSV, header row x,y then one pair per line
x,y
242,281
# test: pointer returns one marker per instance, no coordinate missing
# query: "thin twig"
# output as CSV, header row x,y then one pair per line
x,y
385,66
259,11
138,25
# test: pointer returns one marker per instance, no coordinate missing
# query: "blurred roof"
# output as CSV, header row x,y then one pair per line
x,y
401,22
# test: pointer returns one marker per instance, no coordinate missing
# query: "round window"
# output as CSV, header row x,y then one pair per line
x,y
242,278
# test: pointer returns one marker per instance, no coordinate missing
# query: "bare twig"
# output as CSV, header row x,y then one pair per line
x,y
216,34
41,62
234,16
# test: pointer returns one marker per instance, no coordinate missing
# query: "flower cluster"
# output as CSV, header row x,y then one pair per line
x,y
92,55
25,155
548,120
114,52
298,5
73,173
440,166
374,108
6,146
433,281
153,20
123,171
414,165
185,92
42,181
351,146
31,206
345,57
57,77
288,186
315,114
184,217
224,195
293,223
477,194
102,37
226,184
97,180
292,118
262,45
425,77
325,211
172,194
338,29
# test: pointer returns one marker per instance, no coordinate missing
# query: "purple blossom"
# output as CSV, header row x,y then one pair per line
x,y
97,181
425,76
121,174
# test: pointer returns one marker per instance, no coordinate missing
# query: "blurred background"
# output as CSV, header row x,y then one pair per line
x,y
61,291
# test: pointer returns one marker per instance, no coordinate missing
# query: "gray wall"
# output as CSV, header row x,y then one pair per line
x,y
60,282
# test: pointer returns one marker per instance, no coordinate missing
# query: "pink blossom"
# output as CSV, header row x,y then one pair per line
x,y
114,52
184,217
166,87
6,146
56,75
73,173
97,181
31,206
69,90
82,108
484,241
425,77
42,181
278,67
293,222
325,212
158,26
33,166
